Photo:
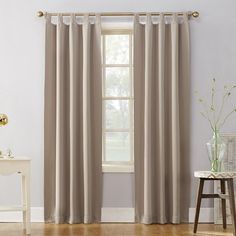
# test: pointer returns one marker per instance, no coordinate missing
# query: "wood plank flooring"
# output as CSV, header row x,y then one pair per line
x,y
40,229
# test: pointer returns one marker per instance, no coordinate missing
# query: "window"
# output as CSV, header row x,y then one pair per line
x,y
118,128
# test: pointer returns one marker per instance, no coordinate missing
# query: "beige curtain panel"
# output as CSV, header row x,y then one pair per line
x,y
161,122
73,121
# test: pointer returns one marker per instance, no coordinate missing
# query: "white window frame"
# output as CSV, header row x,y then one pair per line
x,y
111,166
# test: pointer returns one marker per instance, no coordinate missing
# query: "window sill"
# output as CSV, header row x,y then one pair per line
x,y
111,168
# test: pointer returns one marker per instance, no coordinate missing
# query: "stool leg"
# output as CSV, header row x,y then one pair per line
x,y
223,201
199,198
232,203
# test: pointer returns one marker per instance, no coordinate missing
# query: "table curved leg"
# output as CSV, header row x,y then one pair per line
x,y
27,202
23,190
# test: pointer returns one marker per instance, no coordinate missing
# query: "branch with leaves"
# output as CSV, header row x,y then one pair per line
x,y
212,113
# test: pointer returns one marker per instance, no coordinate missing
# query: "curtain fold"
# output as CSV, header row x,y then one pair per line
x,y
73,121
161,120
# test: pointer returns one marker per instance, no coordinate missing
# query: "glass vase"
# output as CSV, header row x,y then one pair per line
x,y
216,150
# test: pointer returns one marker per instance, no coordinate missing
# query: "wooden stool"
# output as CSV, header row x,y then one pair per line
x,y
222,177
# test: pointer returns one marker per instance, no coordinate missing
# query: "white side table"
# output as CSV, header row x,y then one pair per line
x,y
223,177
22,166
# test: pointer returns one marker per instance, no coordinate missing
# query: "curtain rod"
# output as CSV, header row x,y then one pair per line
x,y
194,14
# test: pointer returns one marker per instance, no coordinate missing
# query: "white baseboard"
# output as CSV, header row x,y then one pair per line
x,y
37,215
125,215
206,215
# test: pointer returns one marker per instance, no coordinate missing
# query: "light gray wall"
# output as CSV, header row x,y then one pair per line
x,y
213,46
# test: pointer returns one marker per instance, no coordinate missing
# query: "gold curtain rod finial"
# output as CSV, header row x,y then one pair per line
x,y
195,14
40,14
3,119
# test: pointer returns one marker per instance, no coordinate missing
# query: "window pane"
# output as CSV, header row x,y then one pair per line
x,y
117,146
117,82
117,114
117,49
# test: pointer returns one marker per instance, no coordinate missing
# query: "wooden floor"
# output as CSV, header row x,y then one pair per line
x,y
40,229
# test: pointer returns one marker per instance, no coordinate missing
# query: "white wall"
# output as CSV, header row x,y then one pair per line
x,y
213,44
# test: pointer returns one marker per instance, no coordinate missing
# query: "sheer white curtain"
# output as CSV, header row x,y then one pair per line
x,y
73,121
161,97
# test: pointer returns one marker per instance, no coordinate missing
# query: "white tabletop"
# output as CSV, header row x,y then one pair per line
x,y
214,175
15,159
